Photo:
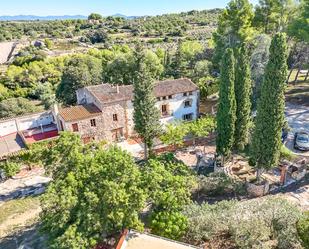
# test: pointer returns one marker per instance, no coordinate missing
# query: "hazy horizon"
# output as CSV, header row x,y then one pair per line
x,y
106,8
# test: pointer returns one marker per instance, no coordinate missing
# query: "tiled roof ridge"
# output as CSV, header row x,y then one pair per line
x,y
79,112
131,85
104,94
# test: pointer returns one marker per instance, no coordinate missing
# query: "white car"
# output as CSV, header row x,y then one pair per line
x,y
301,140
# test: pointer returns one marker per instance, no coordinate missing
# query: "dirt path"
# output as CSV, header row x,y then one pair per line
x,y
18,221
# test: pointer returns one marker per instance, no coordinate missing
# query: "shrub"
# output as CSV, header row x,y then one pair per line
x,y
16,106
218,184
285,153
169,224
303,229
206,221
10,168
260,223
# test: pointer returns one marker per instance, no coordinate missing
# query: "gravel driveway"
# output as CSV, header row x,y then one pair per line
x,y
298,119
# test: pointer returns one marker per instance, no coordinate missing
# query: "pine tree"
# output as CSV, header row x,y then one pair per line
x,y
243,91
269,122
226,115
146,115
234,27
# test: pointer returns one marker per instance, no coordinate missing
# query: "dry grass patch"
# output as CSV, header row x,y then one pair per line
x,y
18,213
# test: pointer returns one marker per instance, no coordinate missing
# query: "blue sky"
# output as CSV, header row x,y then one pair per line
x,y
105,7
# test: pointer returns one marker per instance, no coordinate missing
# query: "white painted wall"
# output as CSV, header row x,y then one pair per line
x,y
34,121
7,127
176,106
26,122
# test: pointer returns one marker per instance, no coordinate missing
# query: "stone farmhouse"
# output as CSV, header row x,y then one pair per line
x,y
105,112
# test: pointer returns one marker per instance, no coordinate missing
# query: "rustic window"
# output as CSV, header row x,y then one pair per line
x,y
188,117
164,97
93,123
185,94
115,117
75,127
188,103
164,110
158,98
170,96
190,93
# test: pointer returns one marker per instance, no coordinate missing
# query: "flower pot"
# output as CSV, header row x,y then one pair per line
x,y
257,190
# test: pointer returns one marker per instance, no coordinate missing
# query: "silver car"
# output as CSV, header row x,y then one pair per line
x,y
301,140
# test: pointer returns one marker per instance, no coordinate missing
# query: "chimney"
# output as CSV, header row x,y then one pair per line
x,y
55,112
55,109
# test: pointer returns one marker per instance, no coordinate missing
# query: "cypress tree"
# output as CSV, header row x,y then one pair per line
x,y
146,115
269,121
243,91
226,115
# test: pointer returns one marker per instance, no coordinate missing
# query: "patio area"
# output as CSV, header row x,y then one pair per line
x,y
38,134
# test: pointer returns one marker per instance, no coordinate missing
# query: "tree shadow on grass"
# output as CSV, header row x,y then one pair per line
x,y
28,238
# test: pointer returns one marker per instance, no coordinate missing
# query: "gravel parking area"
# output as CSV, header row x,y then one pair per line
x,y
298,119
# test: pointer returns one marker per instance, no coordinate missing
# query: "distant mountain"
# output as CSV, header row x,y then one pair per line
x,y
47,18
50,18
124,16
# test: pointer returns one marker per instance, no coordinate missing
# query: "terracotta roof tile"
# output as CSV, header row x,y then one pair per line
x,y
107,93
79,112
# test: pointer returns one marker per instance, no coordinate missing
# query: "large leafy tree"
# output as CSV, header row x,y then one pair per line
x,y
226,115
80,71
269,121
95,16
16,106
259,59
234,28
146,115
174,134
98,193
185,58
243,91
273,15
201,128
169,184
299,28
120,70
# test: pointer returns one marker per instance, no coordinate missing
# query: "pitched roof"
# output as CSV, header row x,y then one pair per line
x,y
107,93
79,112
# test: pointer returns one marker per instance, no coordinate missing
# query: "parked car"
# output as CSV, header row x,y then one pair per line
x,y
301,140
